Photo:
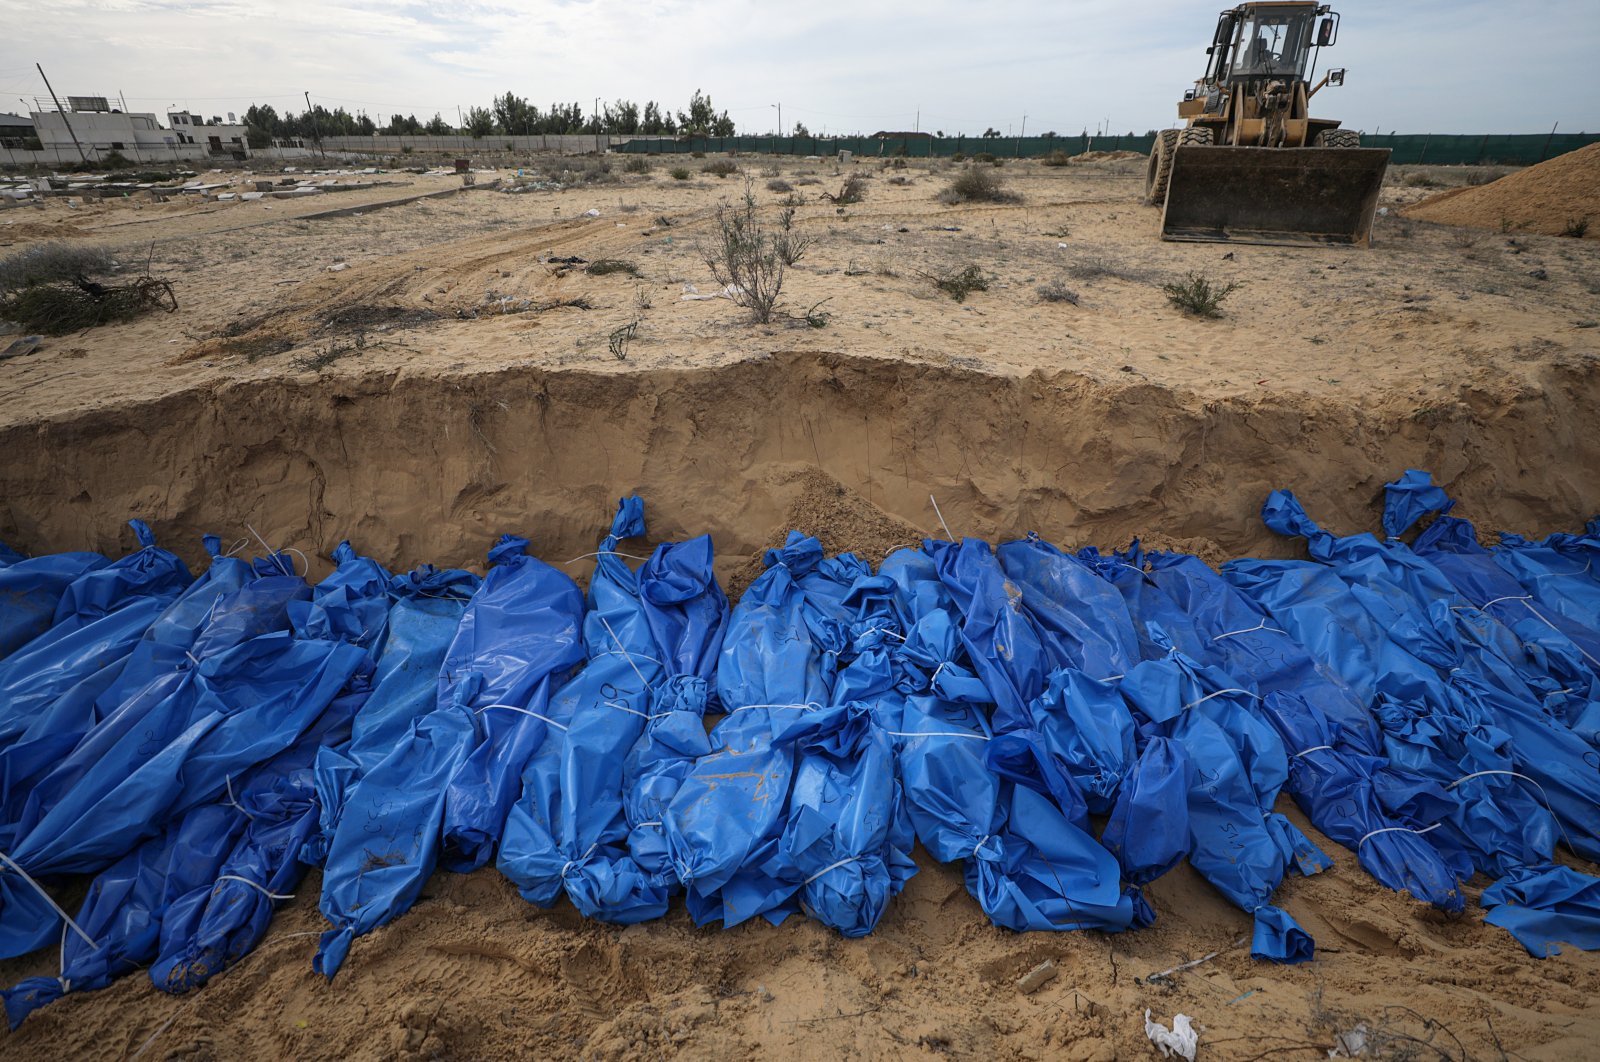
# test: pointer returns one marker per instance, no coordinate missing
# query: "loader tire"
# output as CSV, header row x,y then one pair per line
x,y
1200,136
1160,169
1338,138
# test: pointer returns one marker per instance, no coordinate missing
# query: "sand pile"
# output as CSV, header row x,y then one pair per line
x,y
1546,198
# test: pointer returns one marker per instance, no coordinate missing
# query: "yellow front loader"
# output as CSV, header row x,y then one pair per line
x,y
1252,165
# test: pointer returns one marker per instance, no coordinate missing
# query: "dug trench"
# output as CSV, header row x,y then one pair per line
x,y
417,467
414,467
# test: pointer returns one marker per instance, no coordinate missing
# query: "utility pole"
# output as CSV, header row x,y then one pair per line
x,y
1021,135
64,117
316,127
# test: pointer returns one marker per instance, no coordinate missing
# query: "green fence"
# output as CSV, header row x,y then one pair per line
x,y
1444,149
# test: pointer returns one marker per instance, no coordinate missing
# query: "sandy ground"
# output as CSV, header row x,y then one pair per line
x,y
395,402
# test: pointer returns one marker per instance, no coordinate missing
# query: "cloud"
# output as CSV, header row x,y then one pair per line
x,y
1428,65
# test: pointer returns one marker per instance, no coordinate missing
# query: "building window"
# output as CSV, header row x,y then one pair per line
x,y
116,145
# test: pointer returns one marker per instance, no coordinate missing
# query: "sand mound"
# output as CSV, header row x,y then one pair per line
x,y
1542,198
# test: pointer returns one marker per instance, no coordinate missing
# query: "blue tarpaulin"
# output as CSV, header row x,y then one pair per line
x,y
1067,726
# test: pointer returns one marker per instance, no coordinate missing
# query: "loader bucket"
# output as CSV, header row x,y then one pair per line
x,y
1273,195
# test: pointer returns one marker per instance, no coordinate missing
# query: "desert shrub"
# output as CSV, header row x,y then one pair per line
x,y
963,282
896,163
636,164
720,167
604,267
854,190
1098,266
1476,177
960,156
1055,291
900,180
808,180
791,245
48,262
1422,180
975,185
58,307
1197,294
744,258
1056,158
697,154
679,173
1576,227
772,171
779,185
115,160
406,149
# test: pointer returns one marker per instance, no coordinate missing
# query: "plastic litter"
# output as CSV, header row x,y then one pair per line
x,y
1180,1041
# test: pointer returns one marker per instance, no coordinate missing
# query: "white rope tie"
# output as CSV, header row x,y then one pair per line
x,y
523,711
262,889
195,660
936,733
623,650
1313,748
985,840
574,862
272,554
604,553
637,656
1219,693
236,547
642,825
1395,829
61,964
1525,598
940,515
619,706
227,780
76,928
1542,795
831,866
1262,626
809,706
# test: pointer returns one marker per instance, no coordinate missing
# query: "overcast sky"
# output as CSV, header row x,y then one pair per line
x,y
1441,66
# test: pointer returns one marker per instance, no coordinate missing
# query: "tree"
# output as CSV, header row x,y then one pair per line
x,y
514,115
652,122
990,133
261,125
437,126
801,130
480,122
624,119
703,119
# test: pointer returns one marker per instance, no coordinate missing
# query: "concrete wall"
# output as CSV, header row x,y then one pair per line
x,y
63,155
466,145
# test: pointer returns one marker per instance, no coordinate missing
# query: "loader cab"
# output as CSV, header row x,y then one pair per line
x,y
1267,40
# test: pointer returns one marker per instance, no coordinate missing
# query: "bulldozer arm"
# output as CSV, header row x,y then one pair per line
x,y
1273,195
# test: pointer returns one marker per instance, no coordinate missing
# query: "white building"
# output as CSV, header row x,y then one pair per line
x,y
217,137
90,125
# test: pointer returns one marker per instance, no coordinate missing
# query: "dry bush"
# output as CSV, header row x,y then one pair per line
x,y
1056,158
790,245
1055,291
977,185
744,258
636,164
60,307
604,267
778,185
720,167
679,173
49,262
1098,266
1197,294
960,284
854,190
